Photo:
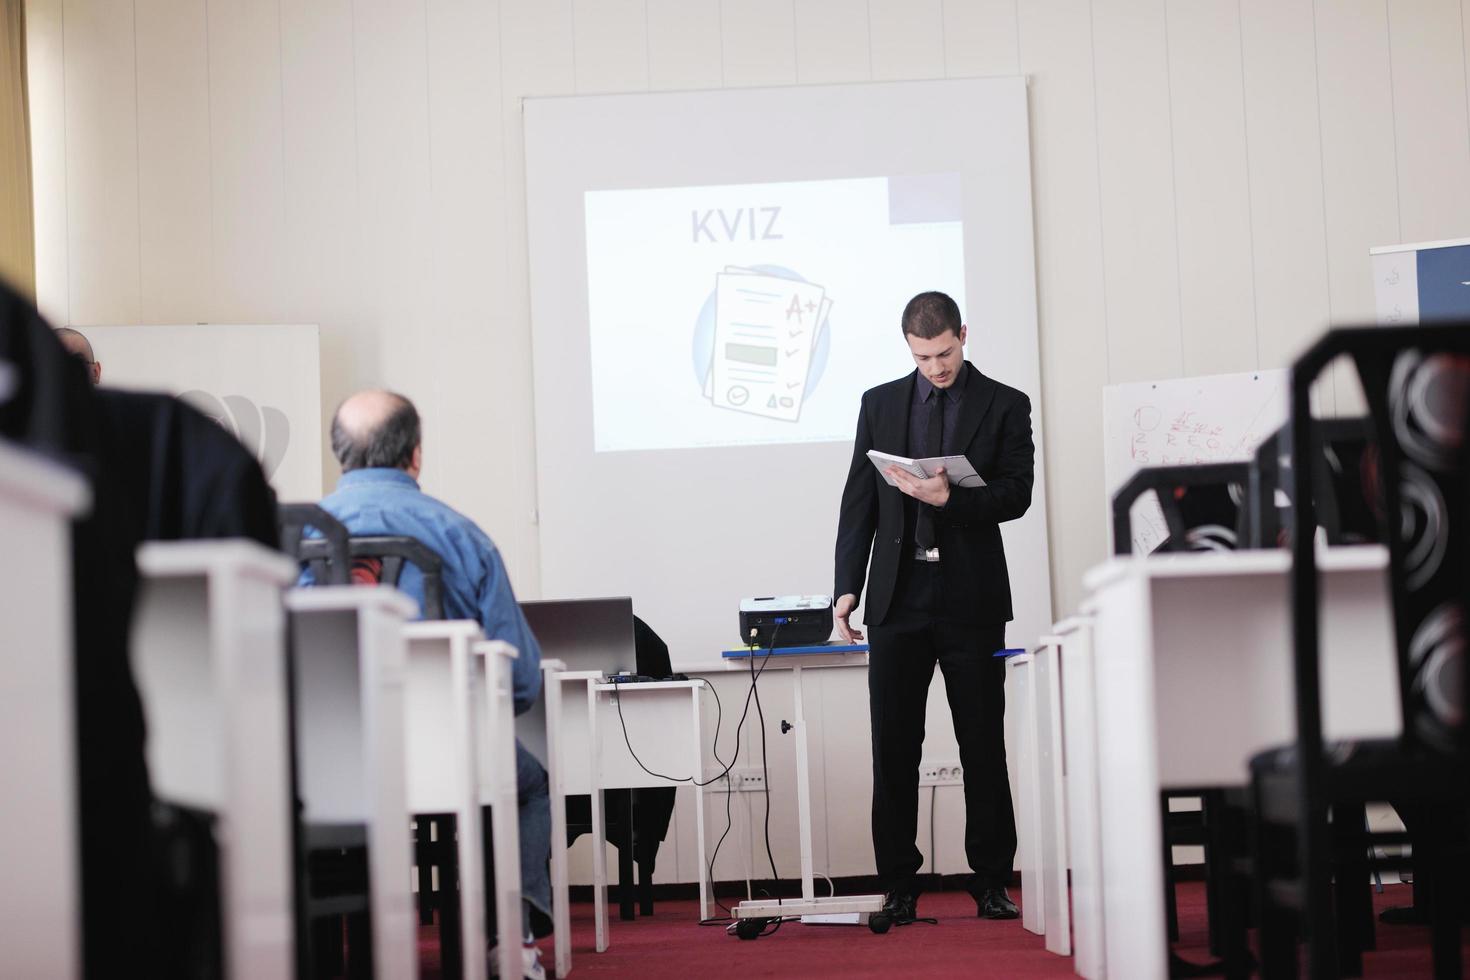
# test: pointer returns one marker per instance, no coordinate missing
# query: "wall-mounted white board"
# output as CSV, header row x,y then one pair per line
x,y
1421,283
682,458
260,382
1209,419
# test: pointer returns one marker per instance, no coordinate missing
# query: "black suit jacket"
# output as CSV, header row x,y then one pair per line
x,y
994,427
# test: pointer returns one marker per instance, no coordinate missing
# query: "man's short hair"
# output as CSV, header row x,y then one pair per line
x,y
930,314
389,444
75,338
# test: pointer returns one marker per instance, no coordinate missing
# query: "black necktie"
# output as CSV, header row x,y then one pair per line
x,y
934,446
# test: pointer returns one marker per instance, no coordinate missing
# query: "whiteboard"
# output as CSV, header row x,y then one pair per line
x,y
261,383
688,532
1216,418
1423,282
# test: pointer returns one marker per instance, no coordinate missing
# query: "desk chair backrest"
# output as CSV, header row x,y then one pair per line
x,y
331,568
379,560
1203,506
1349,502
1417,383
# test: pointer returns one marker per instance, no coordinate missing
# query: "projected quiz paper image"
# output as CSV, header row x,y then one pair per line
x,y
752,314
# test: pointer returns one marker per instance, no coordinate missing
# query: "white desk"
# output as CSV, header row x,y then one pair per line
x,y
1193,676
796,660
496,752
40,899
653,713
447,749
1084,847
555,763
209,656
1051,825
585,753
1021,701
349,654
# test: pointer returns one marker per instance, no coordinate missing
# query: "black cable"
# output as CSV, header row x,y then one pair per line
x,y
725,771
765,768
730,790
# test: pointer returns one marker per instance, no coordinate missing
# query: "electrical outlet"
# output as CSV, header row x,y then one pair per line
x,y
941,774
746,780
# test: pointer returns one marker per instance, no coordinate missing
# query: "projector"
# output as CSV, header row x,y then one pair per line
x,y
791,620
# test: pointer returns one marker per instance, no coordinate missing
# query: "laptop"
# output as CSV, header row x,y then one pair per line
x,y
585,634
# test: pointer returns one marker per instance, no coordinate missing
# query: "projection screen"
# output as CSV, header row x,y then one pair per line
x,y
715,279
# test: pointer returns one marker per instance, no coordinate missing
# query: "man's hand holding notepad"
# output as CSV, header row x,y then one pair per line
x,y
957,468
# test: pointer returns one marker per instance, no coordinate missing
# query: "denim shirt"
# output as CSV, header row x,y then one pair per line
x,y
389,502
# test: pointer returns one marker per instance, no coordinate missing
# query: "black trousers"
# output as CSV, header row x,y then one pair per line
x,y
903,651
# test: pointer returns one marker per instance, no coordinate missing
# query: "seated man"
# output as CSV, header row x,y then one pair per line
x,y
375,436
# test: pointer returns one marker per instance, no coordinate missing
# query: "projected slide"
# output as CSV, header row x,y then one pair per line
x,y
757,313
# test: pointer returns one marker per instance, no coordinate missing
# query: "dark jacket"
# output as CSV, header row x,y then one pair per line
x,y
994,427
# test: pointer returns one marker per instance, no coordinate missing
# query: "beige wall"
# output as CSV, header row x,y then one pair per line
x,y
1208,177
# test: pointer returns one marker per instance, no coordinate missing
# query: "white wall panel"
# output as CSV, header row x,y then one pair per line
x,y
535,51
323,246
981,37
684,47
907,39
468,215
1359,162
758,38
1212,189
1136,175
393,172
1428,51
610,38
248,176
832,42
1056,55
101,114
175,212
1286,176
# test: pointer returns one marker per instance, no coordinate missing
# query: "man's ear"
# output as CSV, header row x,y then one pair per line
x,y
96,367
964,332
418,458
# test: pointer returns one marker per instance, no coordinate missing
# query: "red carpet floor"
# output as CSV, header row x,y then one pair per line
x,y
669,944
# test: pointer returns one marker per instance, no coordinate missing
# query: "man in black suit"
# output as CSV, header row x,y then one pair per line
x,y
938,593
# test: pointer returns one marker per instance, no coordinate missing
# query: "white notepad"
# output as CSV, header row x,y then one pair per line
x,y
957,468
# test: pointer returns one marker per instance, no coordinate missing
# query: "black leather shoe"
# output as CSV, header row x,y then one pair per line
x,y
900,908
994,903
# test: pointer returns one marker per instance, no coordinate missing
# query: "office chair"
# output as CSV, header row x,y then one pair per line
x,y
1204,510
1417,382
292,520
1344,461
334,859
379,560
1201,506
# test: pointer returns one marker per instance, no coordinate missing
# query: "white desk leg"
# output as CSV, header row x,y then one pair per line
x,y
505,820
803,792
1084,842
599,830
706,891
470,842
1053,829
561,916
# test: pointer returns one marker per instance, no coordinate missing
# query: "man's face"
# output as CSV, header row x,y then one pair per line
x,y
939,358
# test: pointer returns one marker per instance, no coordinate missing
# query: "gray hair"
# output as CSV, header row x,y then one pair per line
x,y
388,444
